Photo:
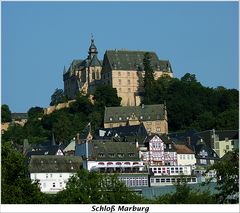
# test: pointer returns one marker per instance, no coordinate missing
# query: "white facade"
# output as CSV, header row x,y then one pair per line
x,y
171,170
186,159
161,181
51,182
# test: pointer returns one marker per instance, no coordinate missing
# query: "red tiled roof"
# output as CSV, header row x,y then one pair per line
x,y
183,149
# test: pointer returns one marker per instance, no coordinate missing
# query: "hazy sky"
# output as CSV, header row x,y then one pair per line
x,y
38,39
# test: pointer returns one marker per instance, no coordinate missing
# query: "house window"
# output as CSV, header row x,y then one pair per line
x,y
60,184
164,145
227,146
183,157
60,175
203,161
232,143
53,185
170,146
46,175
50,175
44,185
188,157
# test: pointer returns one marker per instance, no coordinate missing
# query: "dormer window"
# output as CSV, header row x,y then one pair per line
x,y
111,155
101,155
131,155
141,117
120,118
164,145
170,146
120,155
110,118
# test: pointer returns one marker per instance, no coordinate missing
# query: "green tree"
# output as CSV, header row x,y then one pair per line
x,y
15,133
91,187
16,185
148,80
35,112
189,78
6,115
106,96
228,119
58,97
227,172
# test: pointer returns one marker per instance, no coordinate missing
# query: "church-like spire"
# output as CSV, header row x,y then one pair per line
x,y
64,70
92,49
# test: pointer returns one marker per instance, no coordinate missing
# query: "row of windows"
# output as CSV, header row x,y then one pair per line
x,y
172,180
128,73
120,82
187,157
112,155
54,185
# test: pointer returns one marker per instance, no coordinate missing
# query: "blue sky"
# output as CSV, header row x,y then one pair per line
x,y
39,38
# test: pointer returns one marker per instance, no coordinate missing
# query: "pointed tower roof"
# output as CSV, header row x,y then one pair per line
x,y
64,70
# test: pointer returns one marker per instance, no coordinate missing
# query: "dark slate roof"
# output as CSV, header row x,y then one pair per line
x,y
95,61
223,134
133,60
48,150
148,113
122,131
54,164
17,115
203,146
109,149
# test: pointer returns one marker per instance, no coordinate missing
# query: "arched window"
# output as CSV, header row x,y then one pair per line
x,y
93,75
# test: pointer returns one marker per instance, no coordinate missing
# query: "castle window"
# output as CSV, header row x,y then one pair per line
x,y
119,73
129,90
128,74
119,81
120,89
93,75
158,129
129,82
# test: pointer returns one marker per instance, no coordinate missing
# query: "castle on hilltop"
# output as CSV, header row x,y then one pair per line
x,y
122,69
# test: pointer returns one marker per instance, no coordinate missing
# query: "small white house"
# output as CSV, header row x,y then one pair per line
x,y
53,172
185,156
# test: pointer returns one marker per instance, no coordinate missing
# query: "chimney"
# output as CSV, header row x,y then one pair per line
x,y
137,145
188,141
78,139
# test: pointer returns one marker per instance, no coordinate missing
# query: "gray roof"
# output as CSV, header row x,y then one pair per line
x,y
95,61
19,115
109,151
54,164
146,113
133,60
